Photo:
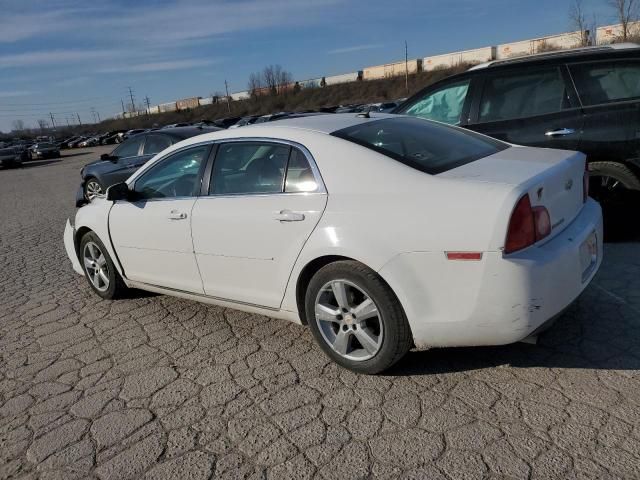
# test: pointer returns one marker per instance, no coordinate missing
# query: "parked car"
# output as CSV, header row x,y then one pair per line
x,y
250,120
45,150
586,99
75,143
226,122
114,137
12,156
130,155
379,232
65,143
89,142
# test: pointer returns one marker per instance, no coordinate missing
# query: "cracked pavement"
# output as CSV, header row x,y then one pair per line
x,y
158,387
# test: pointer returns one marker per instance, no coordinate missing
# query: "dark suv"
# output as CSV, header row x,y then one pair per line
x,y
585,99
117,166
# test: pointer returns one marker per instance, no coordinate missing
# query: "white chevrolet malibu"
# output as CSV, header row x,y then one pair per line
x,y
381,232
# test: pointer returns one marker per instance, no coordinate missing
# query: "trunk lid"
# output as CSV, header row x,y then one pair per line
x,y
552,178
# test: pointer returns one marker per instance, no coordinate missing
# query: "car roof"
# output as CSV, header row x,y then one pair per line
x,y
562,55
324,123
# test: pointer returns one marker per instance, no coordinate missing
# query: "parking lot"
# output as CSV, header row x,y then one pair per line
x,y
168,388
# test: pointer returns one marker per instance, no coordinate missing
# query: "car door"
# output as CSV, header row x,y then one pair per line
x,y
265,198
151,233
535,106
125,158
609,91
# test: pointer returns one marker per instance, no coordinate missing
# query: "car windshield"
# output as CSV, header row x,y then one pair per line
x,y
427,146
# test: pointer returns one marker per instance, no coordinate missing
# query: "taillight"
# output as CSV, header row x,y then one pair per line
x,y
585,183
527,225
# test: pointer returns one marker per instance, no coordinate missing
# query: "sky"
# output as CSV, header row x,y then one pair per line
x,y
72,57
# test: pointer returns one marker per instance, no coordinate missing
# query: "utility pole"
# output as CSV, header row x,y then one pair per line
x,y
406,67
226,87
98,115
67,119
53,122
79,122
122,102
133,104
147,102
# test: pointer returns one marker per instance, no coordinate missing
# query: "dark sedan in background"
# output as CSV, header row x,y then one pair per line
x,y
117,166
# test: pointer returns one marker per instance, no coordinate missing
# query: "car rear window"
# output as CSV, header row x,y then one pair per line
x,y
607,82
422,144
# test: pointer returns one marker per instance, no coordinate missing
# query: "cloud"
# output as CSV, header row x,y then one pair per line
x,y
160,66
49,57
15,93
72,82
355,48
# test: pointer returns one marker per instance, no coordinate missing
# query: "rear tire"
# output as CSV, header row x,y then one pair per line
x,y
99,269
362,327
617,188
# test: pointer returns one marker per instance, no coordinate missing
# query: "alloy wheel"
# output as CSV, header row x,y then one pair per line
x,y
95,266
349,320
92,190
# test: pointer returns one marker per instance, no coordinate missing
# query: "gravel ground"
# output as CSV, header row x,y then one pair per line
x,y
165,388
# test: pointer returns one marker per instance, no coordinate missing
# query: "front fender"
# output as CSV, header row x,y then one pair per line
x,y
95,217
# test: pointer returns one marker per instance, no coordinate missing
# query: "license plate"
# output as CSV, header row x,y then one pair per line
x,y
588,255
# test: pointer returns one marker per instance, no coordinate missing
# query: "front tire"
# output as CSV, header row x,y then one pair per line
x,y
356,318
99,269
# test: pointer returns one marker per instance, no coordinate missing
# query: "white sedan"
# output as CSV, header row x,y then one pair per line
x,y
379,232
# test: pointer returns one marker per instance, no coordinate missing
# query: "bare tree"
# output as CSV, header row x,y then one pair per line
x,y
626,14
42,124
578,21
255,84
18,125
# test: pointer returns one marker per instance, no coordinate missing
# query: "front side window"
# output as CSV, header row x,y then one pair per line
x,y
251,167
521,95
155,144
442,105
128,148
426,146
606,82
175,176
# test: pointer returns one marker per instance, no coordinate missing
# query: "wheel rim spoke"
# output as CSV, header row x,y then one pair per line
x,y
341,342
101,261
366,310
349,320
340,292
368,341
104,277
326,314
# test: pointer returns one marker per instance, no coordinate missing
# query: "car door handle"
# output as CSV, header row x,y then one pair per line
x,y
289,216
561,132
175,215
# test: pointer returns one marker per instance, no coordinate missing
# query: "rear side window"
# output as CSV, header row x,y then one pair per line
x,y
155,144
300,177
426,146
442,105
607,82
522,95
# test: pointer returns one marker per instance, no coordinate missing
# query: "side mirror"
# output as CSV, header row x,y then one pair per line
x,y
119,191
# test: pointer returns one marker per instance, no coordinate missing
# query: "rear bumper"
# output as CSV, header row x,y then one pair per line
x,y
499,299
70,247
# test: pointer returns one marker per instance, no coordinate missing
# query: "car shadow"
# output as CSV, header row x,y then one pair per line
x,y
600,331
40,163
69,155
